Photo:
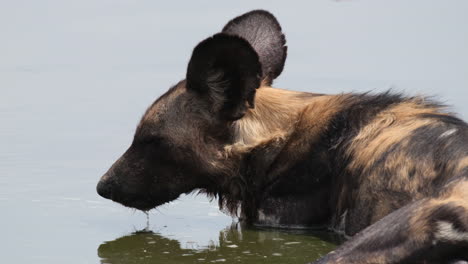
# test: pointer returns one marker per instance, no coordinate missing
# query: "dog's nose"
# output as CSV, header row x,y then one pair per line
x,y
104,188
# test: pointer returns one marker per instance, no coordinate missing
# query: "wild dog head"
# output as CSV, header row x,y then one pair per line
x,y
179,142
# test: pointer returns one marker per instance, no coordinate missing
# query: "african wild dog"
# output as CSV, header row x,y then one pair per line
x,y
393,164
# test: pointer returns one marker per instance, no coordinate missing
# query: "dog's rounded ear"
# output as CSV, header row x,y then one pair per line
x,y
261,29
225,71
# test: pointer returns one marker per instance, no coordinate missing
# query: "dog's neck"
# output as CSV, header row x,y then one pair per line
x,y
275,112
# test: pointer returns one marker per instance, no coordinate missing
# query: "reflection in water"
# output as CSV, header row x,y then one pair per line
x,y
236,245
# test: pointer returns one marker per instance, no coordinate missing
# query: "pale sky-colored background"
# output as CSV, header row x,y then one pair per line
x,y
76,76
418,45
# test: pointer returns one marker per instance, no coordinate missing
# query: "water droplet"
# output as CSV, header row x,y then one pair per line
x,y
292,243
147,228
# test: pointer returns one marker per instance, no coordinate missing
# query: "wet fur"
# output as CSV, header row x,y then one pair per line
x,y
388,170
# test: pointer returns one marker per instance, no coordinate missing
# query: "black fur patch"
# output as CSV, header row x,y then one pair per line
x,y
261,29
226,70
446,119
360,110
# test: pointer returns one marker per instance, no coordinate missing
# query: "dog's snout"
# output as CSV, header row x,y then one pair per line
x,y
104,187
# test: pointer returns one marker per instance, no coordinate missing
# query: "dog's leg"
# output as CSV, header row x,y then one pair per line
x,y
431,230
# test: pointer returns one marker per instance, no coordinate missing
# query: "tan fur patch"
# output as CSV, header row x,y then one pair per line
x,y
313,120
402,168
279,112
459,191
272,115
390,127
463,163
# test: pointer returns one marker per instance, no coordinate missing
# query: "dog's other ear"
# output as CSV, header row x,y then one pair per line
x,y
225,71
261,29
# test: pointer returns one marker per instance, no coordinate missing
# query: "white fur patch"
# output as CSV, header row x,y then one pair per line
x,y
446,232
268,219
272,221
448,133
340,227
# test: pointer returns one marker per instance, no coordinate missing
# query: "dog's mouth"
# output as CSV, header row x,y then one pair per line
x,y
143,205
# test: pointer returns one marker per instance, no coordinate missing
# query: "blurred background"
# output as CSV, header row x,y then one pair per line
x,y
76,76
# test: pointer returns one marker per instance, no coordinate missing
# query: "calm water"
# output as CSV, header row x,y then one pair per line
x,y
235,245
75,77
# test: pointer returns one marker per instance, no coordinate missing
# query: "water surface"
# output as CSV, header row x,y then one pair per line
x,y
76,76
235,245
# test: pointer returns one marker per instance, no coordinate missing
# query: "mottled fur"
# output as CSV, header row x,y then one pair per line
x,y
389,170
